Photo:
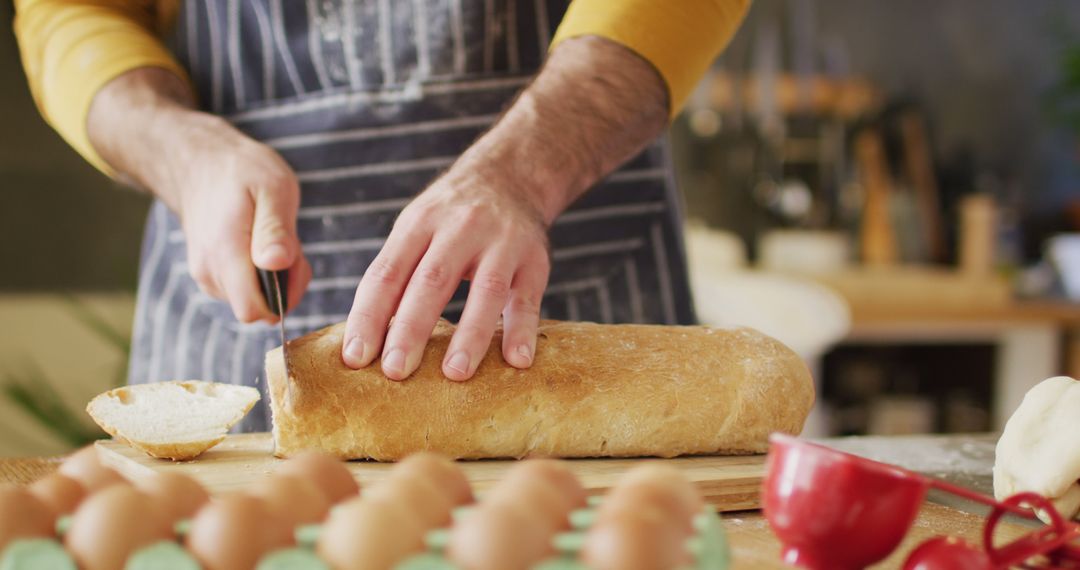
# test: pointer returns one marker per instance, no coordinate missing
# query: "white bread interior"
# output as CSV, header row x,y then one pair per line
x,y
175,420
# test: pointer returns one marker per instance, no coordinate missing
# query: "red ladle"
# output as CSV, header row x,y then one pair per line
x,y
837,511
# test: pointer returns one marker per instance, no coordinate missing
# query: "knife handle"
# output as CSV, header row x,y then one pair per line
x,y
270,282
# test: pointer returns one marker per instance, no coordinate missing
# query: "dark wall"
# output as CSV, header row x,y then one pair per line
x,y
63,225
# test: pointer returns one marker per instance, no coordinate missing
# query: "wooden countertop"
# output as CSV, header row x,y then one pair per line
x,y
25,470
961,459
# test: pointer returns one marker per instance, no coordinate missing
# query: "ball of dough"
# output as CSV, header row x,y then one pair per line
x,y
1039,451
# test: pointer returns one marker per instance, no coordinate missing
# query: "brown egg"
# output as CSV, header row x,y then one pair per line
x,y
176,495
22,515
418,495
535,495
295,500
558,475
648,495
443,473
85,467
111,524
365,534
60,492
500,536
685,500
234,532
635,540
328,473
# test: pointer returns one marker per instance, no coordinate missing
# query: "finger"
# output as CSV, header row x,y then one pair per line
x,y
235,273
203,277
521,316
489,290
379,293
429,289
200,262
299,279
274,244
241,285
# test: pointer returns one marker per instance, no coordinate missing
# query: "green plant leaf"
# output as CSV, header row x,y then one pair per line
x,y
33,392
1061,101
121,341
81,311
35,395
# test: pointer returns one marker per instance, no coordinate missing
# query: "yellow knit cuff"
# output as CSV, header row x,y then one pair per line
x,y
68,97
84,52
681,38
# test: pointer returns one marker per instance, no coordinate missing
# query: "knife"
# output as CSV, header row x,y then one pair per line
x,y
275,290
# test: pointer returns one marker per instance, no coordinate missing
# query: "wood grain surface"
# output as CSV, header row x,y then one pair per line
x,y
730,483
26,470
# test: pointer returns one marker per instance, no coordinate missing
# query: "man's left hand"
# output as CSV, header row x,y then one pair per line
x,y
467,225
594,105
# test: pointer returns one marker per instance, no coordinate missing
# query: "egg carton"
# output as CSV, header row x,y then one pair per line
x,y
708,549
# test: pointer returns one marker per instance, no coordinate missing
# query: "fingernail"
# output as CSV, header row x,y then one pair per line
x,y
459,362
354,352
274,250
525,352
394,361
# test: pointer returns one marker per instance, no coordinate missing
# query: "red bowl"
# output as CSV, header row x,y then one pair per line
x,y
832,510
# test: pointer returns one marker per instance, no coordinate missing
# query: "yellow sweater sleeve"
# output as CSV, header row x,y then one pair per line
x,y
681,38
71,48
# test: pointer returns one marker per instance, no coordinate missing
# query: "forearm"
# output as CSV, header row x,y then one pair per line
x,y
594,105
236,198
138,123
71,49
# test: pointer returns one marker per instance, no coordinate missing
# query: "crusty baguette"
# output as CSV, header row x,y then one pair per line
x,y
592,391
176,420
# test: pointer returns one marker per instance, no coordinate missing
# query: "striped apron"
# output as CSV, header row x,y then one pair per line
x,y
369,100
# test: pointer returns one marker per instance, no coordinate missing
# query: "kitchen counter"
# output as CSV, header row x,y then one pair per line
x,y
965,460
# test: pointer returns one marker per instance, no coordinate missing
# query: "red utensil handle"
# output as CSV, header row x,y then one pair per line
x,y
1043,541
980,498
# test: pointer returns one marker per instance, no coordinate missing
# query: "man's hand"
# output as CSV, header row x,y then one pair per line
x,y
236,198
594,105
465,226
238,208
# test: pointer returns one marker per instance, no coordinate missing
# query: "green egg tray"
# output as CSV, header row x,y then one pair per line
x,y
708,548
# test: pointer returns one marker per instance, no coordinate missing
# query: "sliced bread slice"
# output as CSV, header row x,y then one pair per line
x,y
175,420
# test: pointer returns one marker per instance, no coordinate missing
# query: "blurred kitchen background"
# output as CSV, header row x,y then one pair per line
x,y
892,188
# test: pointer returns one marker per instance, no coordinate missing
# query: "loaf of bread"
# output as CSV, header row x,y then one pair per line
x,y
592,391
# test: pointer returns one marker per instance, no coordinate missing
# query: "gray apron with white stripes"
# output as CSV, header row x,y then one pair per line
x,y
369,100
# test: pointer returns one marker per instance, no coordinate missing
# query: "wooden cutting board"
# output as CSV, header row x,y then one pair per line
x,y
729,483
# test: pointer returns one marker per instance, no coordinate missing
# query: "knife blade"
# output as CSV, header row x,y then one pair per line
x,y
275,290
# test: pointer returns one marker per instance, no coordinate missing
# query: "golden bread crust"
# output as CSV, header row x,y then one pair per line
x,y
593,391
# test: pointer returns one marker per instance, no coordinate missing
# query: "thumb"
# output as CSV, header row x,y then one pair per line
x,y
274,244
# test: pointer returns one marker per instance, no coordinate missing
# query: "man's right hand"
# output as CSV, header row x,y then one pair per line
x,y
237,199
